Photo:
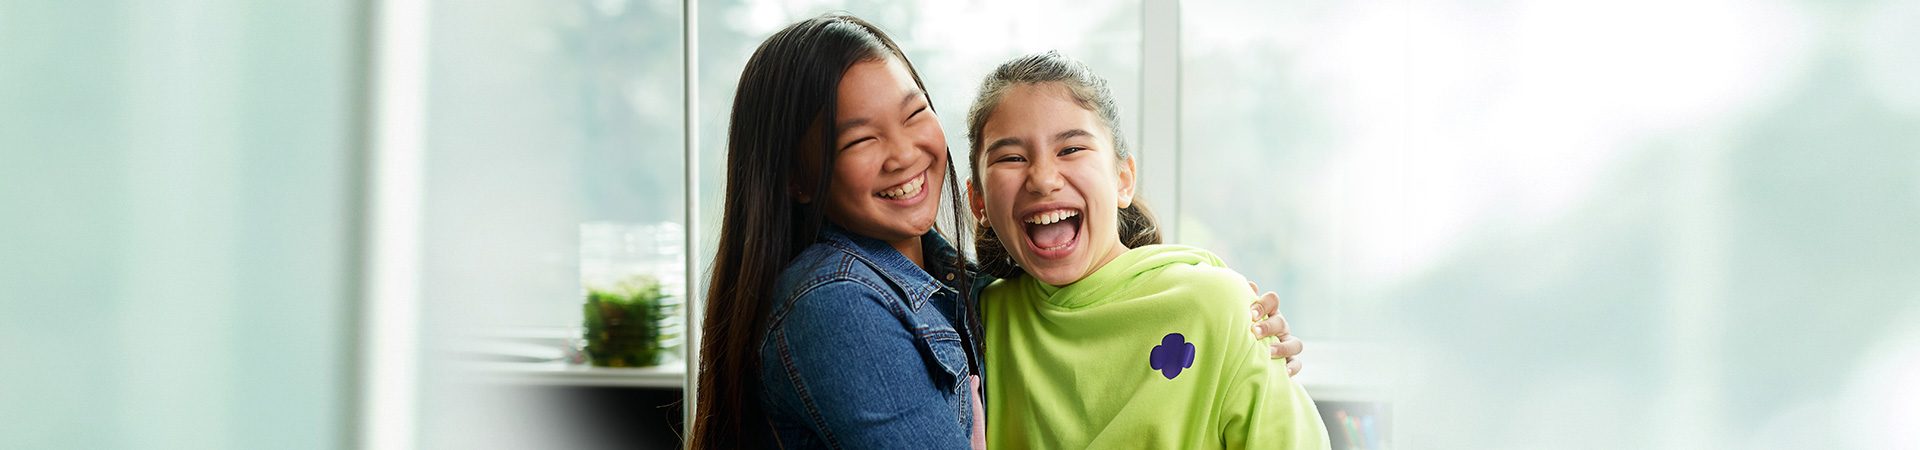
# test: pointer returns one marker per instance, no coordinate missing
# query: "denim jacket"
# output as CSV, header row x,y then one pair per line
x,y
864,349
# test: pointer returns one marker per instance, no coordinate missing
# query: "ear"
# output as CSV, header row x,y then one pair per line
x,y
977,204
1126,182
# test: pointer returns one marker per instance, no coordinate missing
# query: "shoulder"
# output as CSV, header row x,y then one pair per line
x,y
1206,279
1194,269
824,279
1001,294
1197,279
834,300
835,308
823,264
998,286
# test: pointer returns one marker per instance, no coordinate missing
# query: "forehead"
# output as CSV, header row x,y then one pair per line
x,y
873,84
1040,109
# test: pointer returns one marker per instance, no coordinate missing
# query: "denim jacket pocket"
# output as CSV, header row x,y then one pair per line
x,y
947,357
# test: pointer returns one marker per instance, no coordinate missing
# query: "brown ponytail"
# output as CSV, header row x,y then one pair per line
x,y
1137,227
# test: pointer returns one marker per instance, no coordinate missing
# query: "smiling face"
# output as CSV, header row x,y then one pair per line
x,y
891,155
1050,184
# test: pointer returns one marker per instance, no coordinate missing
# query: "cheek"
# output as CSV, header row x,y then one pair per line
x,y
930,131
1100,186
936,145
851,178
998,192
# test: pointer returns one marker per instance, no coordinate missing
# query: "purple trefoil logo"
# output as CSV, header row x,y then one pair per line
x,y
1172,355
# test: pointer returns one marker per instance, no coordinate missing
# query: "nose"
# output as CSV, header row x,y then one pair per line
x,y
1043,177
901,155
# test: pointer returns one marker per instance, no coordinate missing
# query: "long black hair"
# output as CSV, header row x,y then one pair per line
x,y
786,94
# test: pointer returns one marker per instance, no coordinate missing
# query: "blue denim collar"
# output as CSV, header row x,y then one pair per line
x,y
921,284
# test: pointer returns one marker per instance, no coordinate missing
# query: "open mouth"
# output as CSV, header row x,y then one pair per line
x,y
1053,233
907,191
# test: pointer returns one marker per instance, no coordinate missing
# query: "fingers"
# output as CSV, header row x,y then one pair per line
x,y
1273,326
1288,348
1293,366
1267,305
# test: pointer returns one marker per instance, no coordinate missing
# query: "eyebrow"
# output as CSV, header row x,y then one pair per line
x,y
1017,142
1073,133
850,123
1004,142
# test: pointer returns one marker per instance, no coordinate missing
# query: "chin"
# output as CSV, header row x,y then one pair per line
x,y
917,227
908,229
1056,276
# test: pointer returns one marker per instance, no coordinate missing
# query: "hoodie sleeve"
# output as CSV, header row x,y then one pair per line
x,y
1261,407
1265,409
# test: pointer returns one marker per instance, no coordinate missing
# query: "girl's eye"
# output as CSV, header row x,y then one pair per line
x,y
1071,150
1010,158
916,113
855,142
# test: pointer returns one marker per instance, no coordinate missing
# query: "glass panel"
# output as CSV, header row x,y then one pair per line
x,y
179,181
1701,213
543,116
1275,144
554,165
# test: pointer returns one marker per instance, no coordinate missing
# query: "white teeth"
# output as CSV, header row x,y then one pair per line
x,y
905,190
1051,216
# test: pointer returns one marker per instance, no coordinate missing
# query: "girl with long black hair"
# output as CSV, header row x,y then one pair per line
x,y
826,324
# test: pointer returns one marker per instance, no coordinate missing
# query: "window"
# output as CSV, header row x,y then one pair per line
x,y
554,152
543,116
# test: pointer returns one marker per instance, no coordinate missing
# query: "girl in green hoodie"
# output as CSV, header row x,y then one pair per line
x,y
1099,336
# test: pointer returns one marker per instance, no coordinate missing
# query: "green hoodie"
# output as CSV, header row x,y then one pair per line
x,y
1154,350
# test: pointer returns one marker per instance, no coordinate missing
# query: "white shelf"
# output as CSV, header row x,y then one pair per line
x,y
673,375
540,356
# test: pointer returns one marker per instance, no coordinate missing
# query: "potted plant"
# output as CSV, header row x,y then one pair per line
x,y
624,321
